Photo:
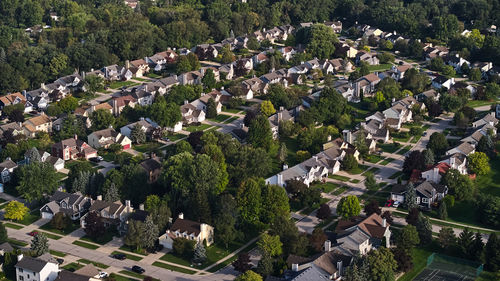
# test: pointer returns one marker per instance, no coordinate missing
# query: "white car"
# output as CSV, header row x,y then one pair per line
x,y
103,274
396,204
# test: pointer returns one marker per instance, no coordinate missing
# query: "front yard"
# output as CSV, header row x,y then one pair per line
x,y
146,147
196,128
69,228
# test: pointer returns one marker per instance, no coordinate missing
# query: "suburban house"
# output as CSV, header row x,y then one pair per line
x,y
206,52
350,137
488,119
457,62
431,51
463,148
152,167
202,102
360,235
39,98
346,89
56,162
436,172
456,161
366,84
12,129
396,115
199,232
281,115
377,129
73,148
190,78
148,126
106,137
42,268
119,103
157,61
141,65
335,25
86,110
73,205
367,57
87,273
427,192
191,114
443,82
113,213
400,70
330,265
429,95
40,123
7,168
345,51
254,86
14,98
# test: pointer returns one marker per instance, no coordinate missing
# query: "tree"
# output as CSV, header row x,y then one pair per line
x,y
478,163
60,221
101,119
443,211
438,144
323,212
94,225
492,91
274,202
184,247
259,133
318,239
372,207
486,145
165,114
447,238
267,108
200,253
349,162
477,247
429,158
249,117
448,71
411,197
319,39
270,245
249,201
424,229
242,264
492,253
475,74
211,108
39,245
414,161
413,215
138,135
348,207
460,186
388,216
382,264
249,276
3,233
403,259
94,83
370,182
253,43
150,235
135,234
208,79
15,211
68,104
408,238
265,265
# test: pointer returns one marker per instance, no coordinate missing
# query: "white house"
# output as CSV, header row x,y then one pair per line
x,y
183,228
42,268
105,138
442,81
7,167
436,172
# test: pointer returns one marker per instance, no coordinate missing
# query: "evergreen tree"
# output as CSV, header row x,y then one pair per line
x,y
492,253
112,194
3,233
211,108
242,264
265,265
137,135
465,241
150,233
446,238
486,145
282,152
9,265
39,245
411,197
200,253
208,80
442,211
429,158
135,234
259,133
477,247
81,183
424,229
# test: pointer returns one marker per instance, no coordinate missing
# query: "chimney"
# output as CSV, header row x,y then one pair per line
x,y
339,267
24,93
20,257
295,267
328,246
83,75
141,207
285,166
127,203
315,157
384,222
99,197
186,102
280,180
127,64
75,136
181,216
452,161
329,138
457,55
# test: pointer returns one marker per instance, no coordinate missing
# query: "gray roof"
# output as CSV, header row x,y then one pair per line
x,y
70,276
427,188
35,264
8,164
6,247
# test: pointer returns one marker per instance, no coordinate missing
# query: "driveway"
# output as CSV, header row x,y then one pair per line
x,y
106,166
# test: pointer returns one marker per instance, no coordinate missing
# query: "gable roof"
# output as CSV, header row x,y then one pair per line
x,y
39,120
9,99
426,188
35,264
188,226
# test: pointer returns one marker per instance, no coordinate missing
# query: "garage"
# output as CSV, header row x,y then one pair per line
x,y
127,146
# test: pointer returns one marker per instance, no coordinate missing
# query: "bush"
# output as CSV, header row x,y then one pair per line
x,y
184,247
60,221
416,131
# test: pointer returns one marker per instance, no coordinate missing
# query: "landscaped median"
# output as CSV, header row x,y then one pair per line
x,y
96,264
11,225
85,245
173,267
136,275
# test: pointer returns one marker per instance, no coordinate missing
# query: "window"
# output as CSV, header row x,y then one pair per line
x,y
425,200
20,270
21,278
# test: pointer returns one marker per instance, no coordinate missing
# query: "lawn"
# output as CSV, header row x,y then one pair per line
x,y
17,243
340,190
233,258
379,67
85,245
103,239
133,250
176,137
403,150
396,174
419,258
325,222
327,187
415,139
118,277
11,225
119,84
31,217
142,79
292,147
388,147
338,177
172,267
358,170
57,253
373,158
153,75
70,228
51,236
194,128
478,103
231,110
73,266
354,181
220,118
97,264
231,120
147,147
401,139
129,256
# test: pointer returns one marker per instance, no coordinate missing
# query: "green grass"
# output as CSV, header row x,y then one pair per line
x,y
96,264
17,243
11,225
358,170
386,161
85,245
142,79
194,128
60,176
327,187
233,258
401,139
292,146
73,266
488,276
416,139
57,253
136,275
478,103
396,174
51,236
231,120
70,228
146,147
118,277
174,268
231,110
118,84
175,137
419,258
129,256
325,222
388,147
220,118
379,67
340,190
354,181
31,217
101,240
403,150
133,250
372,158
340,178
152,75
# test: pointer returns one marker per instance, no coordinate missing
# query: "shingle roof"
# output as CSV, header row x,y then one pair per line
x,y
34,264
188,226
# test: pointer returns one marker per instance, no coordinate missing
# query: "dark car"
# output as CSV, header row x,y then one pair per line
x,y
119,256
60,261
138,269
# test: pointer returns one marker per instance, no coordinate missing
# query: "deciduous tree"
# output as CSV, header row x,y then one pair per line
x,y
348,207
36,180
478,163
382,264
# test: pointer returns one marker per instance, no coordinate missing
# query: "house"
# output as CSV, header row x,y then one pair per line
x,y
190,78
256,85
436,172
488,119
335,25
7,168
346,89
184,228
350,137
227,70
5,248
372,31
456,61
106,137
463,148
149,127
141,65
14,98
456,161
112,213
40,123
396,115
366,84
116,73
429,192
119,103
259,58
367,57
360,235
341,65
345,51
10,130
73,205
157,61
429,95
400,70
86,110
442,82
206,52
143,96
287,52
169,82
87,273
56,162
202,102
377,129
152,167
39,98
191,114
42,268
280,116
329,265
73,148
431,52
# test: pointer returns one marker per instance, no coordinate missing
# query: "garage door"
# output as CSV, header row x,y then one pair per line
x,y
127,146
46,215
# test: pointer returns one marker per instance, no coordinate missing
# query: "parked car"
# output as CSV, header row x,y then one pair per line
x,y
60,261
396,204
96,159
103,274
119,256
138,269
389,203
33,233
